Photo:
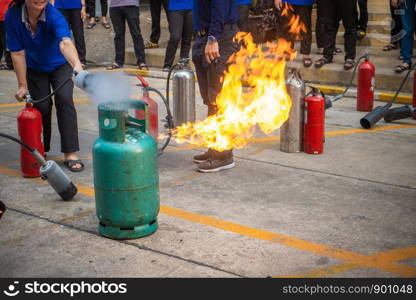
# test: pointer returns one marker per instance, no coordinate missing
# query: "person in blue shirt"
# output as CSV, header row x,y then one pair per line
x,y
44,56
215,24
180,28
302,8
243,12
74,12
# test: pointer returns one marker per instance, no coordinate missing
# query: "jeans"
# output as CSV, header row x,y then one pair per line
x,y
91,8
396,26
73,16
3,48
363,19
155,10
408,22
334,11
119,16
243,22
39,84
180,28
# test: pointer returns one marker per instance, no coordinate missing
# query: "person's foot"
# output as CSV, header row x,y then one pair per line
x,y
216,165
349,64
361,34
151,45
402,67
91,23
166,68
307,61
200,158
322,61
390,47
105,23
73,163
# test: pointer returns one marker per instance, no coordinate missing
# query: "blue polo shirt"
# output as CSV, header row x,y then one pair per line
x,y
180,4
240,2
42,50
301,2
68,4
213,15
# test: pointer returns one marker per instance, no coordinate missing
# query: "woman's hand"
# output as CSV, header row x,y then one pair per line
x,y
21,93
279,4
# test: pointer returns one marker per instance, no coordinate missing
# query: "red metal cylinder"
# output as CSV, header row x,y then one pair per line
x,y
29,123
365,86
314,124
153,109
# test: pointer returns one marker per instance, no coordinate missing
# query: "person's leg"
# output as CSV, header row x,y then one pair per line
x,y
198,57
155,10
363,20
408,22
119,25
104,7
132,16
65,109
176,18
77,27
2,39
320,24
331,22
243,11
347,9
187,33
39,87
91,11
305,14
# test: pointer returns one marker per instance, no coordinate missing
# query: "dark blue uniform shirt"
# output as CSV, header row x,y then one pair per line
x,y
212,15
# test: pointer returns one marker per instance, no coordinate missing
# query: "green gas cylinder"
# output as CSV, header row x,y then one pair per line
x,y
126,178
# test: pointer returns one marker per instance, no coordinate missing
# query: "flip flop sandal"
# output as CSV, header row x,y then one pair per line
x,y
106,25
390,47
337,51
91,25
401,68
307,62
143,66
349,64
322,61
71,165
114,67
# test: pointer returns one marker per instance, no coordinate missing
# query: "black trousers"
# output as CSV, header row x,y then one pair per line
x,y
91,8
396,26
305,14
209,75
243,22
73,16
119,16
363,19
334,11
3,48
39,84
180,28
155,11
320,25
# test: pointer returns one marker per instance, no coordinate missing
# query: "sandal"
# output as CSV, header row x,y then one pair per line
x,y
114,66
91,25
390,47
5,67
401,68
143,66
106,25
307,62
322,61
349,64
337,51
71,165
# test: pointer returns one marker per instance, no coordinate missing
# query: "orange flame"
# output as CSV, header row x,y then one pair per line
x,y
262,101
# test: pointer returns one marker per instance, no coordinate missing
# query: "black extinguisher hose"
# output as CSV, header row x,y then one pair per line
x,y
390,103
51,94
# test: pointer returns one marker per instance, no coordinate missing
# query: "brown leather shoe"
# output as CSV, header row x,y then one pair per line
x,y
216,165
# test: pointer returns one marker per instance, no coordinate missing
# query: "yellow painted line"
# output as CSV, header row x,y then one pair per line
x,y
403,99
389,255
23,103
323,250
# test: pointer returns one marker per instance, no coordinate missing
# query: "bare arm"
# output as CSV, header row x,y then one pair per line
x,y
70,52
83,12
19,64
52,2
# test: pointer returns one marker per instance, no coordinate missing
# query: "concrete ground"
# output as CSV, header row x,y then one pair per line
x,y
347,213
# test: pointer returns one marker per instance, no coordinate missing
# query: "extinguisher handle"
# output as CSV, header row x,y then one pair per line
x,y
143,82
28,98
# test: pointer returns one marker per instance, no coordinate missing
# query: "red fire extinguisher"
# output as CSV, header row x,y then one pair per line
x,y
314,132
365,85
153,109
29,123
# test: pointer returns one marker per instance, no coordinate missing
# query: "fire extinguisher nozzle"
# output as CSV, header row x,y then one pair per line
x,y
373,117
399,113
